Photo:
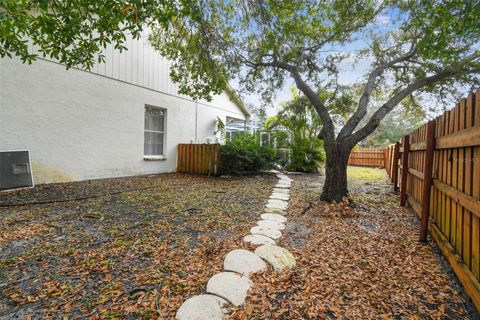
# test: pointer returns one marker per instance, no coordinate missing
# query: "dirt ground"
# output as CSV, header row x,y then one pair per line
x,y
364,263
136,248
136,253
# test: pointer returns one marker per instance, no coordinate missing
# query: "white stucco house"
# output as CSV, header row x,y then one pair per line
x,y
124,117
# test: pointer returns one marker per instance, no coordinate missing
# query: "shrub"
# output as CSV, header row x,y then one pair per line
x,y
245,155
306,155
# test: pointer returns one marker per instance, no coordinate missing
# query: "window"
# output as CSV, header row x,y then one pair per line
x,y
154,132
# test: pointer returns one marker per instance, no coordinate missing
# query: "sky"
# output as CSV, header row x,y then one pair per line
x,y
351,71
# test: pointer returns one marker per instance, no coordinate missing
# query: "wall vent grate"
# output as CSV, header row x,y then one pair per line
x,y
15,170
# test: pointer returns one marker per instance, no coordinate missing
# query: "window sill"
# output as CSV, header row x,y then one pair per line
x,y
154,158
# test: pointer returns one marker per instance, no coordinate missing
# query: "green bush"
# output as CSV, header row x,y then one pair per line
x,y
307,155
297,128
245,155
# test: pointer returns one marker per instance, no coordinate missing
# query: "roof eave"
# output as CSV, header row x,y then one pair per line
x,y
236,99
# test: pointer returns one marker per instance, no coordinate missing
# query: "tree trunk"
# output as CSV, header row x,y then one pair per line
x,y
335,187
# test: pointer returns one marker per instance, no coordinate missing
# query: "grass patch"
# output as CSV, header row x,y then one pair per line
x,y
366,174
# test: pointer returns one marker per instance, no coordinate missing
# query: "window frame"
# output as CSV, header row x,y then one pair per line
x,y
164,133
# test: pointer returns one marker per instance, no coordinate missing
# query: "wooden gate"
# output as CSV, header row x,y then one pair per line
x,y
198,158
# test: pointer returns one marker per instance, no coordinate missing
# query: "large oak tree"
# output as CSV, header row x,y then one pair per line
x,y
428,46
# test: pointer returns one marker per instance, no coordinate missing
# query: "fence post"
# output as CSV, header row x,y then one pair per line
x,y
395,166
390,161
427,179
393,163
403,182
385,159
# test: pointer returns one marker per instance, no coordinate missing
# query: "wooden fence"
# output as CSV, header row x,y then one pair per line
x,y
198,158
438,169
369,157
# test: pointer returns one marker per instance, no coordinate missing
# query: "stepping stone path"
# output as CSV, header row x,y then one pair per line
x,y
232,285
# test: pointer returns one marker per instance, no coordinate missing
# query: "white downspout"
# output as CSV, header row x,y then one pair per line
x,y
196,122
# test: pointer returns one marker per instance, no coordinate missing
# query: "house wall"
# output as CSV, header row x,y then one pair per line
x,y
82,125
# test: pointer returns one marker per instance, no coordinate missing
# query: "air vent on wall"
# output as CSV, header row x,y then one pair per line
x,y
15,170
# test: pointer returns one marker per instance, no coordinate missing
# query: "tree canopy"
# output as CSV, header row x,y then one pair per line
x,y
75,33
265,43
428,47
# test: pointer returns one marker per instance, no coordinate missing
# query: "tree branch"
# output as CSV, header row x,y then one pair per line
x,y
380,114
275,63
370,86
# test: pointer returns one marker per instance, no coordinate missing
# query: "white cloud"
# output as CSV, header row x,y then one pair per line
x,y
382,19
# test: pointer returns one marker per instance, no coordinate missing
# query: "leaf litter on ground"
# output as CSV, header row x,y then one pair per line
x,y
129,248
355,263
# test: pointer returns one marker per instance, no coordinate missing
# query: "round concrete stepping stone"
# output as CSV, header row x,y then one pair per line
x,y
278,257
280,196
285,191
276,206
273,216
271,224
282,212
258,239
281,202
231,286
271,233
243,261
202,307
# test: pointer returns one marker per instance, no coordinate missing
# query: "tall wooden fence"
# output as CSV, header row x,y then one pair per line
x,y
198,158
369,157
437,167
